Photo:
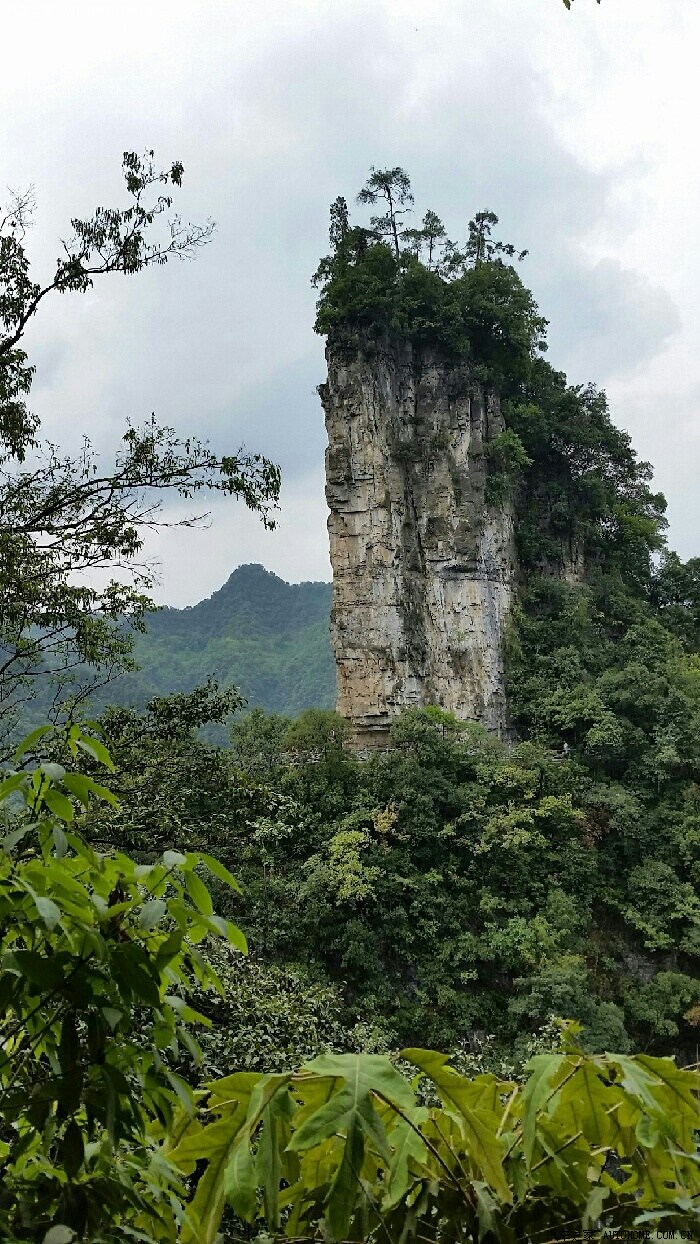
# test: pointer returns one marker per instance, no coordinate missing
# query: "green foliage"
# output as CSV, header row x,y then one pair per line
x,y
464,301
394,187
585,492
103,1139
270,1017
481,247
97,957
266,637
501,323
450,887
675,594
62,515
174,789
344,1149
428,239
507,459
359,288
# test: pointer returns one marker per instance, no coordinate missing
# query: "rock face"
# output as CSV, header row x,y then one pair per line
x,y
423,565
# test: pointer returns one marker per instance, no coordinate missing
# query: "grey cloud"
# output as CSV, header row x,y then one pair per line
x,y
665,428
224,346
608,321
278,415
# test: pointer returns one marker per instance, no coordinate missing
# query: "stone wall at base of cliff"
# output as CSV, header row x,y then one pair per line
x,y
423,565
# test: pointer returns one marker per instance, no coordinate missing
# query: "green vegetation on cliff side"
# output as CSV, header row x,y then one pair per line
x,y
450,881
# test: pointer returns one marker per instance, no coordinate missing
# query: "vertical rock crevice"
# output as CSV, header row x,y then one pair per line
x,y
423,566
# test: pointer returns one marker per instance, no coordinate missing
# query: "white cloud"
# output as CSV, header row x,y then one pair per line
x,y
297,550
609,321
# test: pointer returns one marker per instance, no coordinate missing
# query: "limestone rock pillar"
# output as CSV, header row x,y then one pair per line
x,y
423,565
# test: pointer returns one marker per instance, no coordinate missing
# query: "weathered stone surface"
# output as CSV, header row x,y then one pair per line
x,y
423,566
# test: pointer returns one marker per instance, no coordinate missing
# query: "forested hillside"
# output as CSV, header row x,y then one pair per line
x,y
266,637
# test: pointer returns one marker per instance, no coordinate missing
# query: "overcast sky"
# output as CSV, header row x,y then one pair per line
x,y
578,129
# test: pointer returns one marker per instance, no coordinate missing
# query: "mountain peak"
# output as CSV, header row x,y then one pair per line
x,y
267,637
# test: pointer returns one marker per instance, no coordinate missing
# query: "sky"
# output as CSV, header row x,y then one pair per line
x,y
577,128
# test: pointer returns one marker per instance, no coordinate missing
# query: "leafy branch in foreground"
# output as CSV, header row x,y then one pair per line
x,y
97,957
67,523
65,519
347,1148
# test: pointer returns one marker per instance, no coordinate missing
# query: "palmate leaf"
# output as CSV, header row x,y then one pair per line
x,y
215,1144
312,1092
350,1111
357,1077
665,1091
567,1165
586,1104
233,1090
466,1099
352,1147
638,1080
546,1072
679,1086
407,1148
245,1100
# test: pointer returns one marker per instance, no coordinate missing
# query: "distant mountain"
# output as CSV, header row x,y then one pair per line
x,y
267,637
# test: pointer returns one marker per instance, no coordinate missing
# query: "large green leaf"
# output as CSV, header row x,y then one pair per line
x,y
199,893
214,1143
350,1112
350,1105
245,1099
59,804
479,1125
28,743
152,913
407,1144
546,1072
586,1103
233,1089
240,1183
219,870
665,1091
272,1141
